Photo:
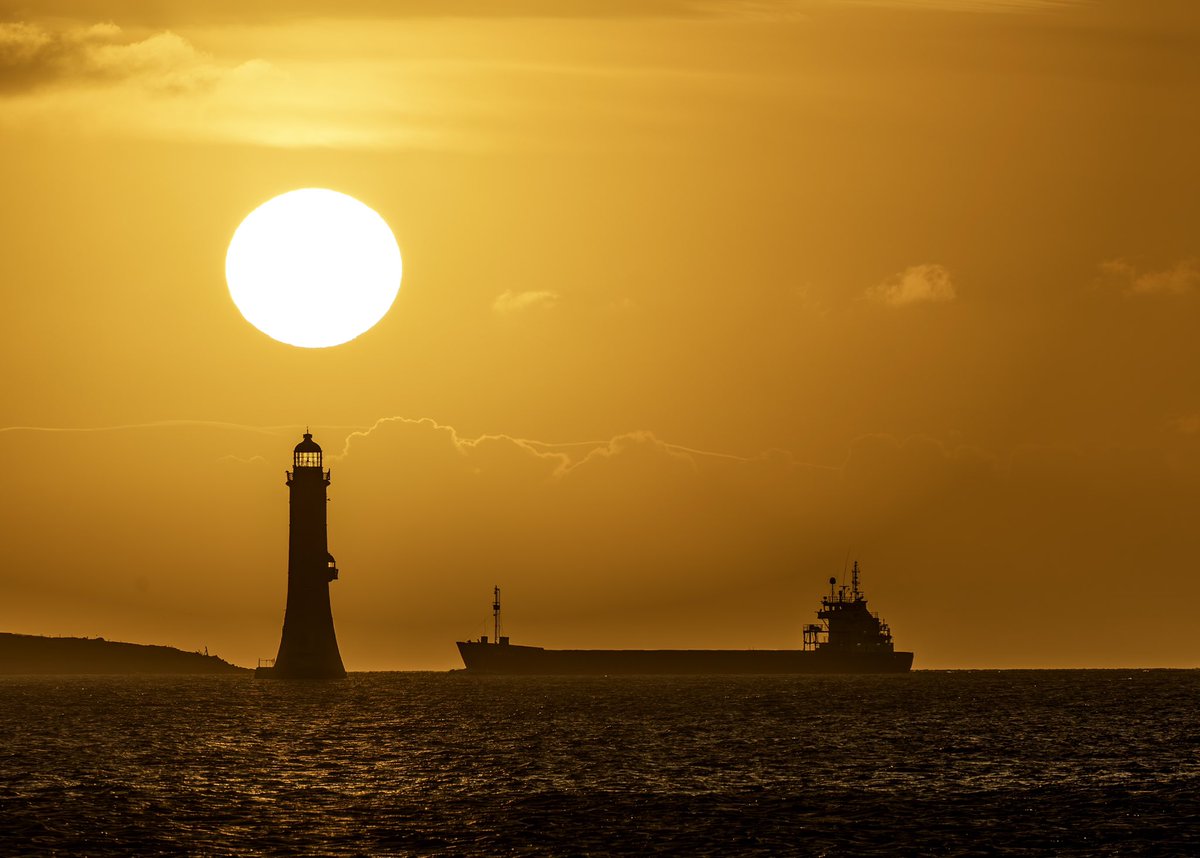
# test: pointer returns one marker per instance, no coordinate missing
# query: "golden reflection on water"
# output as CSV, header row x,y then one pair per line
x,y
418,763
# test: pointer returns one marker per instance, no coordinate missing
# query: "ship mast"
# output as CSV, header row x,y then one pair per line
x,y
854,580
496,613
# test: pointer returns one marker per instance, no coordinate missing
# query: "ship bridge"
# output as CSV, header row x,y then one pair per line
x,y
847,624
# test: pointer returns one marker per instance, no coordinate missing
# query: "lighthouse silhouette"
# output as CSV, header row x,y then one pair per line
x,y
308,648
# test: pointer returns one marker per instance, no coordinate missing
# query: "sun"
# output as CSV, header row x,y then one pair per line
x,y
313,268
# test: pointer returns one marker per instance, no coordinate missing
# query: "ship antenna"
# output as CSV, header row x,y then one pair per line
x,y
854,579
496,613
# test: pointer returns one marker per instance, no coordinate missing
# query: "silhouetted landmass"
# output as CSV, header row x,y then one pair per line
x,y
36,654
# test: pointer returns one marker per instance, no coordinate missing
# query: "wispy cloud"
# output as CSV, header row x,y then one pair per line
x,y
243,460
390,90
156,424
226,12
918,284
102,79
514,302
1180,279
289,429
33,56
1188,424
565,455
971,5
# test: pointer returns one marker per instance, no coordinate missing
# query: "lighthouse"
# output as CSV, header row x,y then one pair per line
x,y
308,648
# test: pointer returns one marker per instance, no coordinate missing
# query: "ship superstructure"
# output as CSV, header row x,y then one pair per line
x,y
847,624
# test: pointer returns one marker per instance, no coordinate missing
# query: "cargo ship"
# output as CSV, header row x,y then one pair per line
x,y
848,639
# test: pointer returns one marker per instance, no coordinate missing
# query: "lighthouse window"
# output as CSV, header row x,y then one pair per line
x,y
308,460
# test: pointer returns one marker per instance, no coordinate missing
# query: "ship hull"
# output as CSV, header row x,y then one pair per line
x,y
508,659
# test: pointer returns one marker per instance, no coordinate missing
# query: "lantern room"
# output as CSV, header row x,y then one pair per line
x,y
307,453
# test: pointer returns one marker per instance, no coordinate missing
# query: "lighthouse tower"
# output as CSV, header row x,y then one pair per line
x,y
308,649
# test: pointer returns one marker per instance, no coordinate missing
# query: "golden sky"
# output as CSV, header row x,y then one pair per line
x,y
699,299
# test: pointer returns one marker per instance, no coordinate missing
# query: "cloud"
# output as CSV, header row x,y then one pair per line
x,y
227,12
243,460
432,441
514,302
33,56
563,458
975,5
156,424
1188,424
919,284
337,82
643,446
1180,279
102,79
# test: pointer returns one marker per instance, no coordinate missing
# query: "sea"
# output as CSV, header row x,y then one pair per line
x,y
1089,762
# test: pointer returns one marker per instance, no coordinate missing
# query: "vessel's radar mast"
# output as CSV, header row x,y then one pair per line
x,y
496,613
854,580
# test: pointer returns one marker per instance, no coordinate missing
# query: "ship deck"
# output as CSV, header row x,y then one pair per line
x,y
511,659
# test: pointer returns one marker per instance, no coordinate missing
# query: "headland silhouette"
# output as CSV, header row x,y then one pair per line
x,y
35,654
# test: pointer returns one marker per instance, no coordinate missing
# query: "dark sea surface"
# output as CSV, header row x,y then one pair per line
x,y
991,762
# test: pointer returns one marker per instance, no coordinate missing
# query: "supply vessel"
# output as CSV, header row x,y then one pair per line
x,y
848,639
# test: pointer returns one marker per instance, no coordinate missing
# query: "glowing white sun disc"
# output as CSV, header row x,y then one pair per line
x,y
313,268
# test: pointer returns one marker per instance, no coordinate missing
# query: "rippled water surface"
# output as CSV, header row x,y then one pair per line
x,y
1021,762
